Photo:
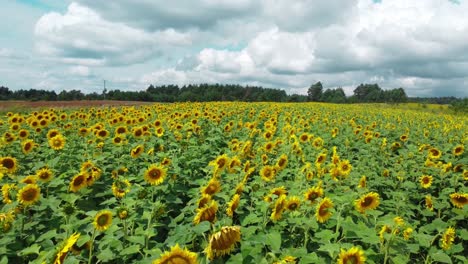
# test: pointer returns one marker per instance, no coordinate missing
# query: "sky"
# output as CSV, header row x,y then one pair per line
x,y
58,45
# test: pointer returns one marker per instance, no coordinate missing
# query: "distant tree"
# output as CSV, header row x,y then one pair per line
x,y
368,93
315,92
5,93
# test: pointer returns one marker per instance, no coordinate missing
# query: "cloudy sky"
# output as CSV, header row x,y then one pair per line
x,y
421,46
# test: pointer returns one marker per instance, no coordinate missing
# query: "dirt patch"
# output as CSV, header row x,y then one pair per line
x,y
25,105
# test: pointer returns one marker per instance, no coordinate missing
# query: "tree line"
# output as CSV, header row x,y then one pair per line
x,y
364,93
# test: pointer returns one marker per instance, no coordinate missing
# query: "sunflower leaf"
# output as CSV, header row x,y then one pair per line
x,y
274,240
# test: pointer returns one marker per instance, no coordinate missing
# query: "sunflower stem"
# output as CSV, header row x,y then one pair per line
x,y
91,246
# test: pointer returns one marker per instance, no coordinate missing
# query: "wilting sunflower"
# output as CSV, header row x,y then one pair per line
x,y
102,220
27,146
434,153
78,182
212,187
44,174
447,238
293,203
354,255
9,164
458,150
29,194
362,182
177,255
426,181
368,201
120,188
67,246
267,173
232,205
428,202
322,212
459,199
205,199
206,213
222,242
136,151
155,174
57,142
313,193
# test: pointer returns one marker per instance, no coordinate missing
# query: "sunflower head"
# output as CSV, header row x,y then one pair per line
x,y
313,193
368,201
232,205
213,187
268,173
27,146
78,182
102,220
57,142
222,242
29,194
206,213
426,181
322,212
354,255
458,150
44,174
9,164
155,174
293,203
459,199
447,238
177,255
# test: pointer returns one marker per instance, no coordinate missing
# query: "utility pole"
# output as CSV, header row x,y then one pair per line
x,y
104,91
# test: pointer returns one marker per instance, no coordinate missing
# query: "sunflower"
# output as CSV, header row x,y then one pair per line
x,y
404,138
282,162
57,142
78,182
27,146
52,133
428,202
320,159
447,238
102,220
159,132
137,132
426,181
212,187
155,174
232,205
354,255
345,167
31,179
67,246
313,193
384,230
407,233
23,134
233,164
221,162
117,140
267,173
205,199
29,194
268,146
177,255
459,199
278,191
434,153
120,188
9,164
368,201
322,212
362,182
293,203
279,207
6,192
458,150
206,213
120,130
222,242
44,174
136,151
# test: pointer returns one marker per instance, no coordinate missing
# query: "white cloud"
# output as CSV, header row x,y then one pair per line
x,y
79,70
82,34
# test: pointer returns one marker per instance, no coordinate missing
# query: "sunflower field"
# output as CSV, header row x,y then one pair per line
x,y
233,183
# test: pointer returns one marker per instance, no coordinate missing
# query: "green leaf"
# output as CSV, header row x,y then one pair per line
x,y
202,227
251,219
137,239
332,249
440,256
33,249
273,239
130,250
47,235
105,255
